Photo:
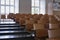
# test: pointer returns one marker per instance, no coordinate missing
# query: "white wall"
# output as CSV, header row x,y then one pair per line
x,y
25,6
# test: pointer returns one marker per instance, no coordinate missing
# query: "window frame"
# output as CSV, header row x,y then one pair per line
x,y
40,8
5,5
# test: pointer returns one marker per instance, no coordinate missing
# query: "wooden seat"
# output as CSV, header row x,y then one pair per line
x,y
52,19
54,26
53,22
37,17
16,18
29,21
29,27
27,17
10,16
53,39
44,19
29,24
54,33
22,21
41,33
2,16
37,26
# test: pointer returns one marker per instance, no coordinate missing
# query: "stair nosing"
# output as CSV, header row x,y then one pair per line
x,y
10,31
14,36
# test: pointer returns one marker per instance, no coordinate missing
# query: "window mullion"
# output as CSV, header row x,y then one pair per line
x,y
9,6
14,6
0,10
39,6
5,9
34,6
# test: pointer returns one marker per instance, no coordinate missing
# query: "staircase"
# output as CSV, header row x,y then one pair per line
x,y
10,30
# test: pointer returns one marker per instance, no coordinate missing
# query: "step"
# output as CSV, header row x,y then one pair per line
x,y
3,28
53,39
7,22
21,37
11,28
16,33
11,20
9,25
26,38
12,31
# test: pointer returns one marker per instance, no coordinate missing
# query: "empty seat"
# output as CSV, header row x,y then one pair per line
x,y
54,33
53,22
10,15
53,39
54,26
37,26
52,19
41,33
22,21
29,24
44,19
2,16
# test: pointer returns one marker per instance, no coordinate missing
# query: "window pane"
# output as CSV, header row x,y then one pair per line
x,y
16,6
42,7
17,9
2,1
36,2
11,9
7,2
33,2
11,2
7,9
9,6
32,10
36,10
2,9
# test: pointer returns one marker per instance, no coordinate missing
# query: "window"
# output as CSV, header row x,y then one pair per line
x,y
38,6
9,6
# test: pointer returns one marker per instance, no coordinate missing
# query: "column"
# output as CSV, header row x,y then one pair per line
x,y
49,7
